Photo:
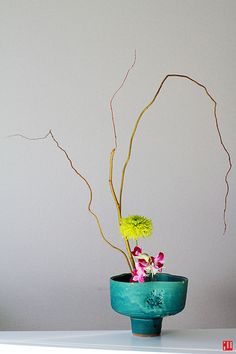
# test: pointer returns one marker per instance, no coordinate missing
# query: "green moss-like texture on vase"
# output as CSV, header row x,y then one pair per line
x,y
147,303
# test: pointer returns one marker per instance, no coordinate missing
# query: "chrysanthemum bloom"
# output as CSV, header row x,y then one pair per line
x,y
135,226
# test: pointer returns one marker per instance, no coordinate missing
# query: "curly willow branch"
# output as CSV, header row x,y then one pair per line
x,y
86,182
112,154
114,95
217,128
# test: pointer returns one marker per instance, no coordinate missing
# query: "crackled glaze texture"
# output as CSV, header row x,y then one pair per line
x,y
147,303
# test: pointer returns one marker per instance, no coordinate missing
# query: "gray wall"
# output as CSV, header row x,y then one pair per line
x,y
60,63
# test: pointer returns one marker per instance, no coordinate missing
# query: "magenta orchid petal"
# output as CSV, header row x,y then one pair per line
x,y
160,257
134,272
136,251
141,279
138,274
159,260
134,276
140,268
142,263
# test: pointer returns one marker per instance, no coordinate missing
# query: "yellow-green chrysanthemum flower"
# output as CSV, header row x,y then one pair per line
x,y
135,226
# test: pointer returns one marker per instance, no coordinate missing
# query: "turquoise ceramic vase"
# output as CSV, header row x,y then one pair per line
x,y
147,303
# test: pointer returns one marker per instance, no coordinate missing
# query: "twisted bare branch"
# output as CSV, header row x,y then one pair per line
x,y
112,154
217,128
85,181
114,95
111,184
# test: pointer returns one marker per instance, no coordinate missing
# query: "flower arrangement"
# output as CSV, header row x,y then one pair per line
x,y
142,266
134,227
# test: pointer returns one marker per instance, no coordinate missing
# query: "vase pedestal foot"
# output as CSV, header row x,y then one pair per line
x,y
146,327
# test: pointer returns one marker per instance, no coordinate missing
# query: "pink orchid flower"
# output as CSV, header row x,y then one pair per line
x,y
145,265
138,274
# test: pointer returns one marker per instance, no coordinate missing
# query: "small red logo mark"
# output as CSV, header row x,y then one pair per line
x,y
227,345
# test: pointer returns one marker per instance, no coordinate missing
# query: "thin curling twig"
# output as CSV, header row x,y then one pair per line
x,y
112,154
114,95
217,128
85,181
111,184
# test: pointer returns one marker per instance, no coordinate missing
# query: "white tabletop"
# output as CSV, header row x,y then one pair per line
x,y
171,341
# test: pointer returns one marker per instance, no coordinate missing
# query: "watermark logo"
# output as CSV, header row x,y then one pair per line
x,y
227,345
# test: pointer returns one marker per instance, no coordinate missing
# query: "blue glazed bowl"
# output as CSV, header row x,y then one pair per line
x,y
147,303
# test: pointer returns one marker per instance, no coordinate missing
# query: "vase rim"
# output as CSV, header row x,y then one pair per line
x,y
169,278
